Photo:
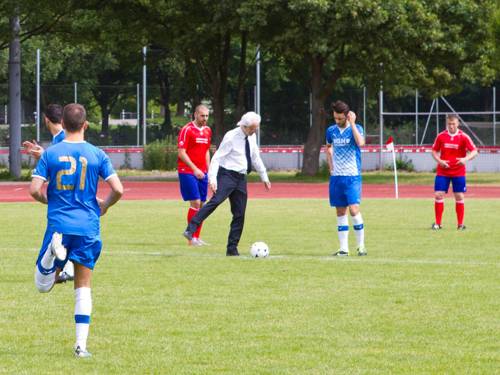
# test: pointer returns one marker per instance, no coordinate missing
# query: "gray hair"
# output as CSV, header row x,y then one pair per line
x,y
249,118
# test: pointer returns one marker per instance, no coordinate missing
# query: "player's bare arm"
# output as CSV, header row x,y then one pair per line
x,y
36,190
441,162
187,160
329,158
470,155
114,195
207,157
351,118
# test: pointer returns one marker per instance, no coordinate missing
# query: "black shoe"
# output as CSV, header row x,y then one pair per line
x,y
342,253
63,277
461,227
435,226
232,253
188,235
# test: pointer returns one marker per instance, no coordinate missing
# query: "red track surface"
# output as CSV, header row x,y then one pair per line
x,y
18,192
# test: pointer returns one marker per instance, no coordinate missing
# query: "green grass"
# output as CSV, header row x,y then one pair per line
x,y
420,302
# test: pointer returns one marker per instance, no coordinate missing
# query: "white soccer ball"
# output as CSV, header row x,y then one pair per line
x,y
259,250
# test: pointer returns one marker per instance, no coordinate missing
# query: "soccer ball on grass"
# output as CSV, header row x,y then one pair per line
x,y
259,250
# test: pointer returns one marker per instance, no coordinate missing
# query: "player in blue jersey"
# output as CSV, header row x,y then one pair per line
x,y
72,169
52,118
344,139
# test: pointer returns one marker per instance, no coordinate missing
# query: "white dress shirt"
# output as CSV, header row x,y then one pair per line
x,y
231,155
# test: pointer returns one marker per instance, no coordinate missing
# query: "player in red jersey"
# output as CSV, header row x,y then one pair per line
x,y
192,164
452,149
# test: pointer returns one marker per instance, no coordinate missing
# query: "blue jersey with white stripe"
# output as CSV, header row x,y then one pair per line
x,y
72,170
346,152
59,137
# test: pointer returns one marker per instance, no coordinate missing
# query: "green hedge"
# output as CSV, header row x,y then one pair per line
x,y
161,155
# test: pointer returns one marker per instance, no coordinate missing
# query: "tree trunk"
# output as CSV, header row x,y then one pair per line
x,y
164,79
240,100
315,137
219,86
105,120
180,107
218,107
15,99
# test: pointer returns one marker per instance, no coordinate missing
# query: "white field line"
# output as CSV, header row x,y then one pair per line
x,y
351,259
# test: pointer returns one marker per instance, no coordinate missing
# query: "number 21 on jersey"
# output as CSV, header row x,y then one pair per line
x,y
71,171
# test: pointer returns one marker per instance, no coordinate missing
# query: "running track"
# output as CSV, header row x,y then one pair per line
x,y
134,190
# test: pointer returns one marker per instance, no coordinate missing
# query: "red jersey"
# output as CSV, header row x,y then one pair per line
x,y
196,142
452,147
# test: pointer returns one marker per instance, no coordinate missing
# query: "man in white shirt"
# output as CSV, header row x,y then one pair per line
x,y
230,164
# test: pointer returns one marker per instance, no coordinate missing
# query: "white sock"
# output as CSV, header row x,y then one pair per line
x,y
359,229
343,232
48,258
83,309
44,282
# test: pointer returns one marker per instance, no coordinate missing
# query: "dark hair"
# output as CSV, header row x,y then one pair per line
x,y
340,107
74,116
452,116
54,113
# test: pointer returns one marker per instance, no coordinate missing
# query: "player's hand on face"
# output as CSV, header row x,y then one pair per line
x,y
199,174
102,206
267,185
213,186
351,118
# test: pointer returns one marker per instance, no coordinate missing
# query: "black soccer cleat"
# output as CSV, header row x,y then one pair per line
x,y
341,253
461,227
188,235
435,226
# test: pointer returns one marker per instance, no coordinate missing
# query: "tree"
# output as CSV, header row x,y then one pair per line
x,y
425,44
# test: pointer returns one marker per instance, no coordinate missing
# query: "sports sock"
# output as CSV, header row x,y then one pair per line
x,y
438,210
47,261
460,210
359,229
45,272
343,232
191,212
83,308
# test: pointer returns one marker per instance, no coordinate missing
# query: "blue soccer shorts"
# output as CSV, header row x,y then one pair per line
x,y
442,183
84,250
345,190
193,188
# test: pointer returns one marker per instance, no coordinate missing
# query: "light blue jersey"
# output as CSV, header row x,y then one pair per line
x,y
59,137
346,152
72,170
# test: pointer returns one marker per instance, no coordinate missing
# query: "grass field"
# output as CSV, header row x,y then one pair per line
x,y
371,177
420,302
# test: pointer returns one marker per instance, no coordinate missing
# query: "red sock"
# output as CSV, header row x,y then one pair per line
x,y
191,212
460,210
197,233
438,210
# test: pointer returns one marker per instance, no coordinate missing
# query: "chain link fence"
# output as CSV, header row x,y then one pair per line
x,y
115,114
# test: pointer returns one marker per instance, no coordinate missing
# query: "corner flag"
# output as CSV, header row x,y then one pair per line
x,y
389,145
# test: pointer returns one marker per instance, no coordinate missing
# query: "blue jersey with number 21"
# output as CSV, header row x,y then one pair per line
x,y
72,170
